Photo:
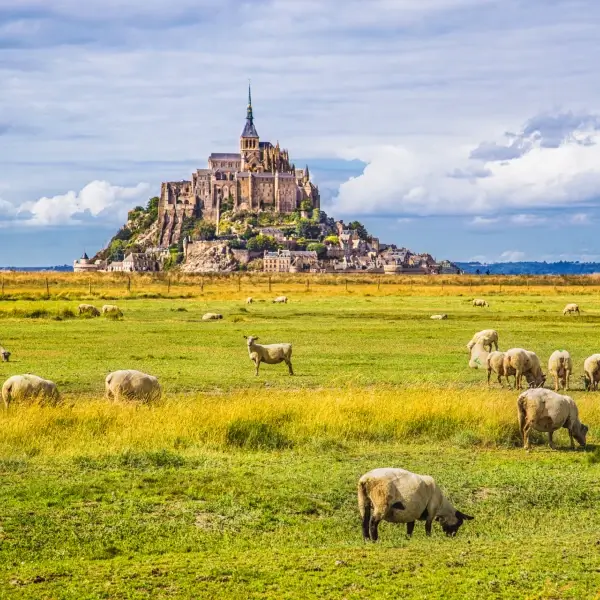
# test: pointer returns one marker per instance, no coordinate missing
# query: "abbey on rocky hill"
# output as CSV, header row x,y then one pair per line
x,y
259,177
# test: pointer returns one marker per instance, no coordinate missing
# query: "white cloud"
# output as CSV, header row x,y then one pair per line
x,y
527,220
98,200
512,256
482,222
580,219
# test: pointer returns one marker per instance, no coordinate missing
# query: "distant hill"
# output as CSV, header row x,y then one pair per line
x,y
531,268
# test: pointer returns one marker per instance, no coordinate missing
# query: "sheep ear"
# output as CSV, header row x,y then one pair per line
x,y
461,515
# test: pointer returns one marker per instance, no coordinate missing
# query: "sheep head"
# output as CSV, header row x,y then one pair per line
x,y
451,529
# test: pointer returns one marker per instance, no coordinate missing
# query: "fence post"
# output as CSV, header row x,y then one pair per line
x,y
239,283
346,284
129,283
3,285
169,286
307,284
269,283
47,289
202,284
90,287
378,283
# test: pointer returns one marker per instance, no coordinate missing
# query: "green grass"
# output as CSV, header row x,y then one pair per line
x,y
245,487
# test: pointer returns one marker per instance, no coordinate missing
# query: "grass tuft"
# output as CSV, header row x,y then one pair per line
x,y
255,435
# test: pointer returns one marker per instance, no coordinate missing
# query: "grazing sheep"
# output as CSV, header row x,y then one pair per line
x,y
249,300
29,387
280,300
547,411
399,496
524,362
271,354
479,355
488,337
439,317
480,302
132,385
88,309
112,310
591,368
495,363
212,317
571,308
560,366
5,354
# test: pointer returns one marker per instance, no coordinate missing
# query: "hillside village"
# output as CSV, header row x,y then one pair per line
x,y
251,210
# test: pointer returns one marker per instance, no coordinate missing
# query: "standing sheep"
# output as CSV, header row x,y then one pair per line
x,y
88,309
479,356
5,354
480,302
399,496
271,354
524,362
570,309
249,300
495,363
591,368
280,300
112,310
547,411
29,387
560,366
487,337
130,384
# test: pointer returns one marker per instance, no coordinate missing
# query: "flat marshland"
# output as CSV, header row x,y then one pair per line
x,y
235,486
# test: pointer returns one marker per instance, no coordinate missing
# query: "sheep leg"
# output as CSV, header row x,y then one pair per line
x,y
365,521
257,363
525,432
410,528
571,439
518,377
489,375
567,382
496,344
373,525
428,524
289,364
555,382
550,441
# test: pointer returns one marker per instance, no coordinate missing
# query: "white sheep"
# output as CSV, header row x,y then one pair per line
x,y
270,354
480,302
560,366
5,354
212,317
399,496
488,338
495,363
547,411
571,308
29,387
591,368
88,309
524,362
478,357
280,300
130,384
112,310
439,317
249,300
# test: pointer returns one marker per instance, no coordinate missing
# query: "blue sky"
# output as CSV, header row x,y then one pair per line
x,y
466,128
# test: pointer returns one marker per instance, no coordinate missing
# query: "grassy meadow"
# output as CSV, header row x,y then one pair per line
x,y
236,486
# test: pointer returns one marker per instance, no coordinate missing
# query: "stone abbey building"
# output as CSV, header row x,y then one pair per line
x,y
259,177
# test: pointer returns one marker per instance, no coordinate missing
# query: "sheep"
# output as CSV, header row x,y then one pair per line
x,y
591,368
480,302
561,367
5,354
545,410
439,317
212,317
29,387
132,385
88,309
495,363
479,356
399,496
271,354
571,308
249,300
280,300
488,337
524,362
111,309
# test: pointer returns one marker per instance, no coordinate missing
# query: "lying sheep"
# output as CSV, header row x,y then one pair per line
x,y
112,310
249,300
271,354
560,366
88,309
212,317
571,308
439,317
5,354
479,302
495,363
547,411
524,362
591,368
29,388
280,300
399,496
488,338
132,385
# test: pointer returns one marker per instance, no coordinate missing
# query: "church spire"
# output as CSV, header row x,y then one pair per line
x,y
249,129
249,115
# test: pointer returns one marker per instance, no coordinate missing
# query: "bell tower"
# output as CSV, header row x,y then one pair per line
x,y
249,140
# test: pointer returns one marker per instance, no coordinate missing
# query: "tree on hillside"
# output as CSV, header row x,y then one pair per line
x,y
205,230
307,229
261,242
363,234
320,249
